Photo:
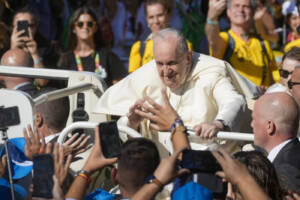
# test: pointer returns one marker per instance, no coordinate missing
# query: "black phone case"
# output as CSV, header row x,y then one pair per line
x,y
110,140
200,161
23,25
43,170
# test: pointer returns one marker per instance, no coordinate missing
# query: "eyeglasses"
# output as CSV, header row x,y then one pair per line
x,y
90,24
291,84
284,73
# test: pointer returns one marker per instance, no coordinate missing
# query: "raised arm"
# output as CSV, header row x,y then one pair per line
x,y
96,161
212,30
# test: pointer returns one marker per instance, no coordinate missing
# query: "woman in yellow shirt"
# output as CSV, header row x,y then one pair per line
x,y
158,14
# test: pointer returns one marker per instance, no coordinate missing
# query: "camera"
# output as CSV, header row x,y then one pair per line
x,y
9,116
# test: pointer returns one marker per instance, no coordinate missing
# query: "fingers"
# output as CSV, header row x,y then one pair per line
x,y
3,160
30,132
42,139
218,157
150,109
97,138
110,161
182,172
72,139
221,174
56,154
48,148
146,115
197,129
152,103
206,130
27,140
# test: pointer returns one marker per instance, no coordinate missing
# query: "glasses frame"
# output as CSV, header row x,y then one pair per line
x,y
291,84
284,73
89,24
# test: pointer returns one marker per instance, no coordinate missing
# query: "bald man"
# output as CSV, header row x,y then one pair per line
x,y
275,121
18,57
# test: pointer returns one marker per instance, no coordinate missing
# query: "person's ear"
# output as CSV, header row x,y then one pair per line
x,y
271,128
38,121
114,175
189,58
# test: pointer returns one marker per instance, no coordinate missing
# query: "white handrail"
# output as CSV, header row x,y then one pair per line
x,y
92,125
133,133
45,73
62,93
227,135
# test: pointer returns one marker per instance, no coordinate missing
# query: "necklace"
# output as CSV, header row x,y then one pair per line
x,y
79,63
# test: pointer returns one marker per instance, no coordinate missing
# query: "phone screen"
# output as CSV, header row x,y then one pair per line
x,y
200,161
110,141
23,25
43,170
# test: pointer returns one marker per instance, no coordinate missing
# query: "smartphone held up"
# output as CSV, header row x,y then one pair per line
x,y
23,25
109,139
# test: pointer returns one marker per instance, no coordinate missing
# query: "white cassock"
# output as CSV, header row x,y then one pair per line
x,y
212,90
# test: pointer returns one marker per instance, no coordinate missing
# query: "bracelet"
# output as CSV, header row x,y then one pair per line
x,y
84,174
211,22
153,179
157,182
177,122
37,61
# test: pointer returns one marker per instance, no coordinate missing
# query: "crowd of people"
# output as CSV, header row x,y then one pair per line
x,y
169,66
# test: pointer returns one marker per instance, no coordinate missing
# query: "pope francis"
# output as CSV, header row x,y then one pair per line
x,y
200,88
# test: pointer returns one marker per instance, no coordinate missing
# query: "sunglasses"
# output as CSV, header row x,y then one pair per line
x,y
90,24
284,73
291,84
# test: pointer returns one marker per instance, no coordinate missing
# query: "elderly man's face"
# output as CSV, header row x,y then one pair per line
x,y
172,68
240,12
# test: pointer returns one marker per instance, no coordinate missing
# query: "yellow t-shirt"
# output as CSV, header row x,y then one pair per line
x,y
247,58
290,45
135,59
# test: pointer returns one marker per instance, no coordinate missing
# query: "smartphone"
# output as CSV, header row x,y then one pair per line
x,y
43,170
200,161
110,140
23,25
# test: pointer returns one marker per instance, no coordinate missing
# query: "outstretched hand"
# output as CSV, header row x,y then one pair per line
x,y
61,165
76,144
96,159
208,130
35,143
161,116
133,117
216,7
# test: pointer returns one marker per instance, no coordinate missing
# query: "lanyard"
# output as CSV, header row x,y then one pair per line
x,y
79,63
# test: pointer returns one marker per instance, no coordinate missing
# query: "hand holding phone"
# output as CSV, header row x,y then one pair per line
x,y
23,25
200,161
43,170
109,139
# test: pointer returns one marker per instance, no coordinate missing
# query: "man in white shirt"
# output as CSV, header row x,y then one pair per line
x,y
197,86
275,121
